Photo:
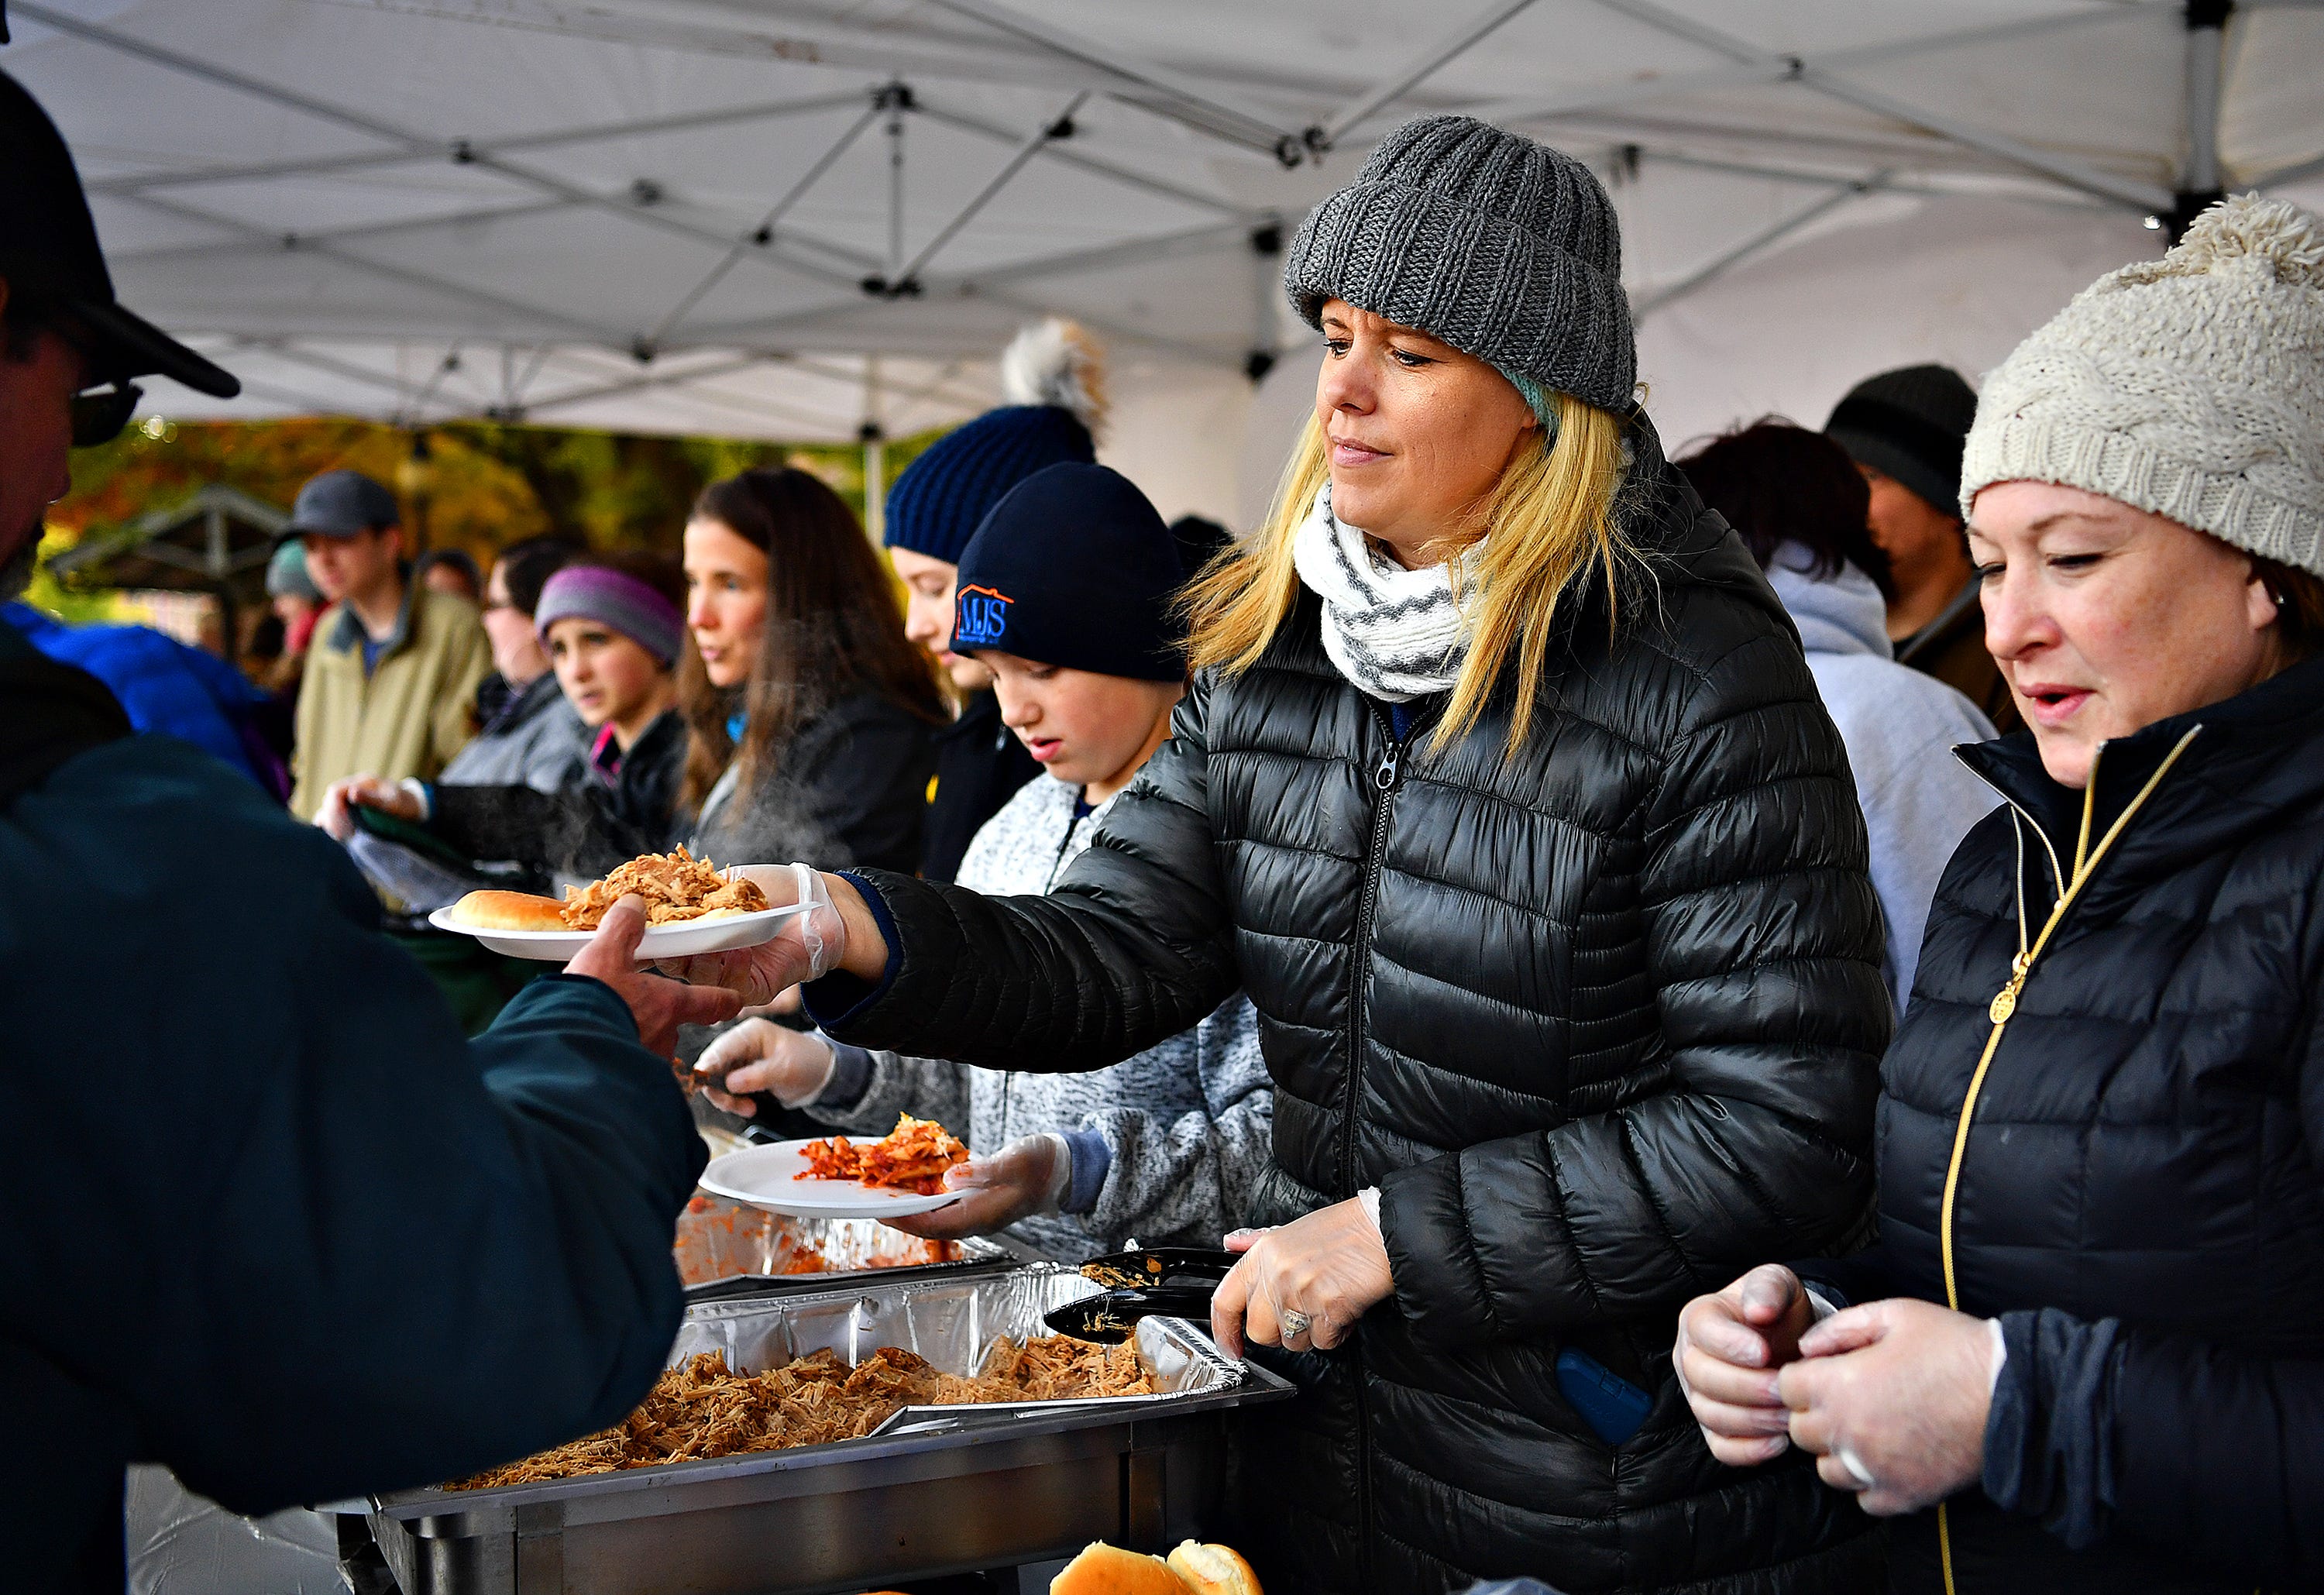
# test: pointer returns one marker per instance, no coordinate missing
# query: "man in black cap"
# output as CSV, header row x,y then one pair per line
x,y
1904,430
392,677
336,1248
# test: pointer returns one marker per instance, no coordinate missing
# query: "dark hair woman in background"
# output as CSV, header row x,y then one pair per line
x,y
810,717
1802,507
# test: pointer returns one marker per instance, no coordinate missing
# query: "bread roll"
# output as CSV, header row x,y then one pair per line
x,y
1213,1569
1105,1570
508,910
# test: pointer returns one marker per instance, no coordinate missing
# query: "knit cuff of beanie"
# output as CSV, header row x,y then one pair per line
x,y
2228,504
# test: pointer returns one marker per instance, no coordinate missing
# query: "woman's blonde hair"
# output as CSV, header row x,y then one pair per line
x,y
1548,520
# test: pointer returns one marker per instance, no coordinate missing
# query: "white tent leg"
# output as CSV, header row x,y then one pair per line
x,y
875,457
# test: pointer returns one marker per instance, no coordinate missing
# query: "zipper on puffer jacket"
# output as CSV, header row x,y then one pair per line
x,y
1387,775
2004,1007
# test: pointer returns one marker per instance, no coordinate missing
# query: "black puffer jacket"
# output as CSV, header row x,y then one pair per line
x,y
2139,1196
1599,1018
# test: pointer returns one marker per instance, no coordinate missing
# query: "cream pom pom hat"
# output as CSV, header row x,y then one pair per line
x,y
2191,386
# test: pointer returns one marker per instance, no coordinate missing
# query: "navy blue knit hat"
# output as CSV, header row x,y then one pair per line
x,y
1074,567
938,503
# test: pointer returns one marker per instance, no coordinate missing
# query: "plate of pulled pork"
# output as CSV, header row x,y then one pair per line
x,y
834,1177
692,907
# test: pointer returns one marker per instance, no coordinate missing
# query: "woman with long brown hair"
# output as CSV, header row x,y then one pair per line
x,y
809,717
1503,790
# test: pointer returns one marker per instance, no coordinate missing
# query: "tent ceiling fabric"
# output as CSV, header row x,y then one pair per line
x,y
784,218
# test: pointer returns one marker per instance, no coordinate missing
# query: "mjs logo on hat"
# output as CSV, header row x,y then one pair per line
x,y
980,618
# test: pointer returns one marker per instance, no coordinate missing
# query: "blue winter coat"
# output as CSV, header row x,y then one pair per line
x,y
265,1216
165,685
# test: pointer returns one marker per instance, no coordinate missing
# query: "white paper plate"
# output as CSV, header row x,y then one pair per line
x,y
763,1176
682,940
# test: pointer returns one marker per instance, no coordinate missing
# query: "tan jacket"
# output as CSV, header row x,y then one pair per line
x,y
410,716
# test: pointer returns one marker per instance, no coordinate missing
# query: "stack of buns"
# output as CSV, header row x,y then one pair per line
x,y
1192,1569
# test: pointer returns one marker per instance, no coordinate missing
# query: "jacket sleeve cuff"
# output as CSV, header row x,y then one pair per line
x,y
1093,1160
850,1077
1440,1284
571,997
840,997
2048,1433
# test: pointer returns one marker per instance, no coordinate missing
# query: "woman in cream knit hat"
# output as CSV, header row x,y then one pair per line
x,y
2091,1338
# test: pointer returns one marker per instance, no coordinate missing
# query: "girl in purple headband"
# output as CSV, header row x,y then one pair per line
x,y
613,637
613,627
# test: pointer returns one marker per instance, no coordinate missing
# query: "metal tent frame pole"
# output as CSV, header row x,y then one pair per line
x,y
2198,179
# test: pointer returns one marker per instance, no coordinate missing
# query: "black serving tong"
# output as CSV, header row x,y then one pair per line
x,y
1168,1282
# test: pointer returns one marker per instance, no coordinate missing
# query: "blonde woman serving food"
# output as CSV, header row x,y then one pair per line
x,y
1503,789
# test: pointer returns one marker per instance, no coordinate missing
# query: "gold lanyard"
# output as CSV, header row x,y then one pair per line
x,y
2005,1005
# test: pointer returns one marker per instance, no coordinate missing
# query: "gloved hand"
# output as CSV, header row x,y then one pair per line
x,y
1027,1177
1892,1398
759,1055
808,946
1330,1267
396,798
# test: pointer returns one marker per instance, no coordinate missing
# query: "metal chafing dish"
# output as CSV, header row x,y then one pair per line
x,y
937,1491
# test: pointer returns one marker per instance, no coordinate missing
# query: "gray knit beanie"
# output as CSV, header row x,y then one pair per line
x,y
1499,247
2191,386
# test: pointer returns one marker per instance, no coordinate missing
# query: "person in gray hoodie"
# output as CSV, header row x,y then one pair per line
x,y
1065,594
1802,507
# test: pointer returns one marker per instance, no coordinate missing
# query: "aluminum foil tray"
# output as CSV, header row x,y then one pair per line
x,y
718,1239
937,1490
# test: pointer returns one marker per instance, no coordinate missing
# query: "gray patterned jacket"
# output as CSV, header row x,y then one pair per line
x,y
1167,1144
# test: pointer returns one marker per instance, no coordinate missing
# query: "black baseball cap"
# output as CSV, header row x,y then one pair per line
x,y
48,252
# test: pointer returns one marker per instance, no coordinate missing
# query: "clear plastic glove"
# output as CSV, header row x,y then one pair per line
x,y
759,1055
337,815
808,946
1729,1349
1892,1398
1027,1177
658,1006
1331,1266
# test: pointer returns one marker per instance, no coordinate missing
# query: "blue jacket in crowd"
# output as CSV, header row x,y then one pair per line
x,y
265,1216
165,685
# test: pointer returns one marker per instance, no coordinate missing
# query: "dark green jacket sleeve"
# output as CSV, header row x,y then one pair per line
x,y
263,1195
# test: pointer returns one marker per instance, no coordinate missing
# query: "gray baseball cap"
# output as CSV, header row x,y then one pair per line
x,y
341,503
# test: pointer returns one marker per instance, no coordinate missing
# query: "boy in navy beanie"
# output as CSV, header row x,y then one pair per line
x,y
1050,375
1068,593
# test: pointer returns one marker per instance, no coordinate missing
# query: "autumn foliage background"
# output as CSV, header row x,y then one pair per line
x,y
480,486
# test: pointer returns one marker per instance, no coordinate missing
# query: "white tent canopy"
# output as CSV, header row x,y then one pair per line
x,y
796,218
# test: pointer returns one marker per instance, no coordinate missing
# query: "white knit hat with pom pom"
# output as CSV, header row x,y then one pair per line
x,y
2191,386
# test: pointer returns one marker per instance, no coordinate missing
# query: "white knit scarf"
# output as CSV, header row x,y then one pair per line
x,y
1397,634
